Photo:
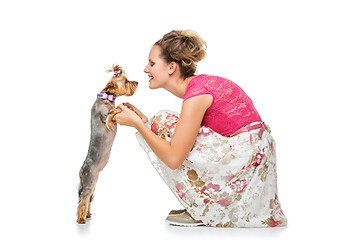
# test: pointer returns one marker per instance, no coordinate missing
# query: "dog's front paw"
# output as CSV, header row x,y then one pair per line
x,y
110,125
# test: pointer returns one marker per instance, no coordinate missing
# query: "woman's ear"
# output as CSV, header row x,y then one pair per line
x,y
172,67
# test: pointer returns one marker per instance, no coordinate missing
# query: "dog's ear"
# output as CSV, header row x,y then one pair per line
x,y
110,88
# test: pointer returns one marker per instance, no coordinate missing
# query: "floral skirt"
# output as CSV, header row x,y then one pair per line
x,y
224,181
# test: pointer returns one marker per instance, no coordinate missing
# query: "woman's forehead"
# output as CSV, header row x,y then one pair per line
x,y
154,52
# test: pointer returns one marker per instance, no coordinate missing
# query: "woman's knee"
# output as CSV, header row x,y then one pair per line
x,y
163,123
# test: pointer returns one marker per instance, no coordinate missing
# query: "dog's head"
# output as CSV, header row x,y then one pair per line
x,y
119,84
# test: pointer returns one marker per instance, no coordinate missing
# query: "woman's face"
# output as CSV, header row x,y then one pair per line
x,y
157,69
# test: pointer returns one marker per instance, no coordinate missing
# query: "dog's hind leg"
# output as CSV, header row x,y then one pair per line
x,y
86,190
88,215
83,210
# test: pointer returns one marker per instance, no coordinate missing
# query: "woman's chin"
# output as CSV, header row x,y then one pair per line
x,y
152,86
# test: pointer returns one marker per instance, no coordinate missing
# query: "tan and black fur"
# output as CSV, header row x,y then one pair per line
x,y
103,131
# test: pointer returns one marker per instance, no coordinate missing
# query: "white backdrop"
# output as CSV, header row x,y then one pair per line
x,y
297,60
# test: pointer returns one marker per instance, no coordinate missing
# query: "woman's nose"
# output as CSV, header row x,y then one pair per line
x,y
146,70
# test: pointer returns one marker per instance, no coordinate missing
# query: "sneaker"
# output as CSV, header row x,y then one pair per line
x,y
182,218
177,212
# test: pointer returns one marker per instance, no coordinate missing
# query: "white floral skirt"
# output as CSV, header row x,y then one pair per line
x,y
225,181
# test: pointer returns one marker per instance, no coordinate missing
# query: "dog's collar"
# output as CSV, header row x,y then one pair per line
x,y
106,96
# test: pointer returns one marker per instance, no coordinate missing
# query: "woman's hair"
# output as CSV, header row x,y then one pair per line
x,y
184,47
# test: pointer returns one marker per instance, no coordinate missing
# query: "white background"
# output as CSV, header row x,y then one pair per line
x,y
298,61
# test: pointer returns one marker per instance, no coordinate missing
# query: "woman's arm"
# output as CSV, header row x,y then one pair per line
x,y
137,111
174,153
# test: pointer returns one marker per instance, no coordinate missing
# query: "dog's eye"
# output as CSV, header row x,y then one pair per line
x,y
126,81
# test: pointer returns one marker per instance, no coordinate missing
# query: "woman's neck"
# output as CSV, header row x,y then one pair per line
x,y
178,86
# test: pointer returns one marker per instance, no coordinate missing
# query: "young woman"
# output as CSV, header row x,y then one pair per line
x,y
217,155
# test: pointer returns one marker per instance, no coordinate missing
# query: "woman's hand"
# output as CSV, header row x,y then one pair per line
x,y
127,117
137,111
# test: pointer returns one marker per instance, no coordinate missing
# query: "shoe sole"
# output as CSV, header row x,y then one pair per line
x,y
183,224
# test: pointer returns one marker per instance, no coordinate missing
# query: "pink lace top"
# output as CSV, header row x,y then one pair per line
x,y
231,108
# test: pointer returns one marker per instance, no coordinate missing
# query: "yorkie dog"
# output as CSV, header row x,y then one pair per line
x,y
103,131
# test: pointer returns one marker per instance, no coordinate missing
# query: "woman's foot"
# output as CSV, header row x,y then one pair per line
x,y
182,218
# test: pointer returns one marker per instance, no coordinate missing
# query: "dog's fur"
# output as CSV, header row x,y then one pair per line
x,y
103,131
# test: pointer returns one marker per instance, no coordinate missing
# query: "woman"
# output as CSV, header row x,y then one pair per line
x,y
217,156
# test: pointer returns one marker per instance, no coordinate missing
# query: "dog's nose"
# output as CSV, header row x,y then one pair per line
x,y
136,83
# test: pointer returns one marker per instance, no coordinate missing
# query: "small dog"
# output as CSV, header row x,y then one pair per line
x,y
103,131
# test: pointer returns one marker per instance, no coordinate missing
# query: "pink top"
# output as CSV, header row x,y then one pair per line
x,y
231,108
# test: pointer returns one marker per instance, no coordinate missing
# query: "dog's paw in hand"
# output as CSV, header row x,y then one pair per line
x,y
110,125
137,111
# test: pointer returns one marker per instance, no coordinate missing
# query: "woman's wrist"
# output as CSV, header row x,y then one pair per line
x,y
139,124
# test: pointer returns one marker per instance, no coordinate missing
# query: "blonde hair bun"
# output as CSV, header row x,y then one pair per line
x,y
185,47
197,46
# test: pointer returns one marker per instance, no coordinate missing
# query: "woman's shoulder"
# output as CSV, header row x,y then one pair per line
x,y
198,82
209,82
203,80
204,77
198,85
